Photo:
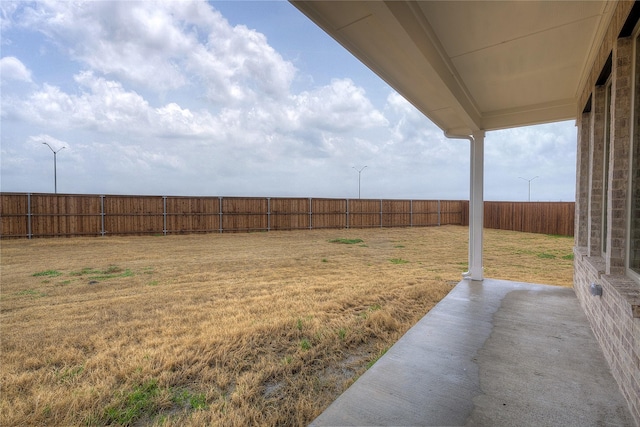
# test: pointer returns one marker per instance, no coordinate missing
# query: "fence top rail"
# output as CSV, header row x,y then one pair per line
x,y
351,199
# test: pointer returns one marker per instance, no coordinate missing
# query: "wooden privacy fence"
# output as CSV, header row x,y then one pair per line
x,y
531,217
56,215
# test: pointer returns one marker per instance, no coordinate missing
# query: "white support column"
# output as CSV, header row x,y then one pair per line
x,y
476,207
476,202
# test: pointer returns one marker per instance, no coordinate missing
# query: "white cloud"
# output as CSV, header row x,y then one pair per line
x,y
513,156
131,40
102,105
165,46
105,106
237,65
11,68
54,143
7,9
337,107
171,44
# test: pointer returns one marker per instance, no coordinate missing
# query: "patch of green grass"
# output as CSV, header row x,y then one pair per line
x,y
32,293
374,307
111,272
198,401
545,255
125,273
568,257
153,283
346,241
398,261
399,246
342,333
134,405
47,273
46,411
145,402
325,260
84,272
305,344
185,398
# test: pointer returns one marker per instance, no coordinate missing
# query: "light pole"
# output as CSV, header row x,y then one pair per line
x,y
529,184
359,172
55,171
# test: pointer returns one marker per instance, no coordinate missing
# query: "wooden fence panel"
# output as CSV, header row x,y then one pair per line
x,y
364,213
553,218
464,204
244,214
14,215
396,213
536,217
192,215
452,212
65,215
133,215
289,214
425,213
329,213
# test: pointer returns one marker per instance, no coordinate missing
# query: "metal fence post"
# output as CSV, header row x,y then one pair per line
x,y
268,213
411,213
28,215
347,212
164,215
102,232
220,213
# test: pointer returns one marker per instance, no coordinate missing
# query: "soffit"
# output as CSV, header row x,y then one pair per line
x,y
471,65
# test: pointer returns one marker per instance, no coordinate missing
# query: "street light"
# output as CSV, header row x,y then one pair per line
x,y
359,172
529,184
55,171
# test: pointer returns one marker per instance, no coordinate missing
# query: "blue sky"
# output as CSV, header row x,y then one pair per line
x,y
231,99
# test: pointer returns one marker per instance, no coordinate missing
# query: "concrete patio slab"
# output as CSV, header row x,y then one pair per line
x,y
492,353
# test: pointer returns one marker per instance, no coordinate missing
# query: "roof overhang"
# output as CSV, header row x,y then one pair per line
x,y
474,65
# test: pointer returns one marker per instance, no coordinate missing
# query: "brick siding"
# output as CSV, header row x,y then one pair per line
x,y
615,316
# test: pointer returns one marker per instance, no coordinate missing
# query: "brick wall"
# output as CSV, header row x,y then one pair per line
x,y
602,235
613,322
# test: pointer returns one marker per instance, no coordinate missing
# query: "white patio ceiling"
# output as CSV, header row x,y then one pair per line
x,y
473,65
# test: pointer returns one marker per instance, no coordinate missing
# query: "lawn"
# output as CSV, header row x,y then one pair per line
x,y
225,329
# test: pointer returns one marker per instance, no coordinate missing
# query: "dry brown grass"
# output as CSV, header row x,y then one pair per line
x,y
231,329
